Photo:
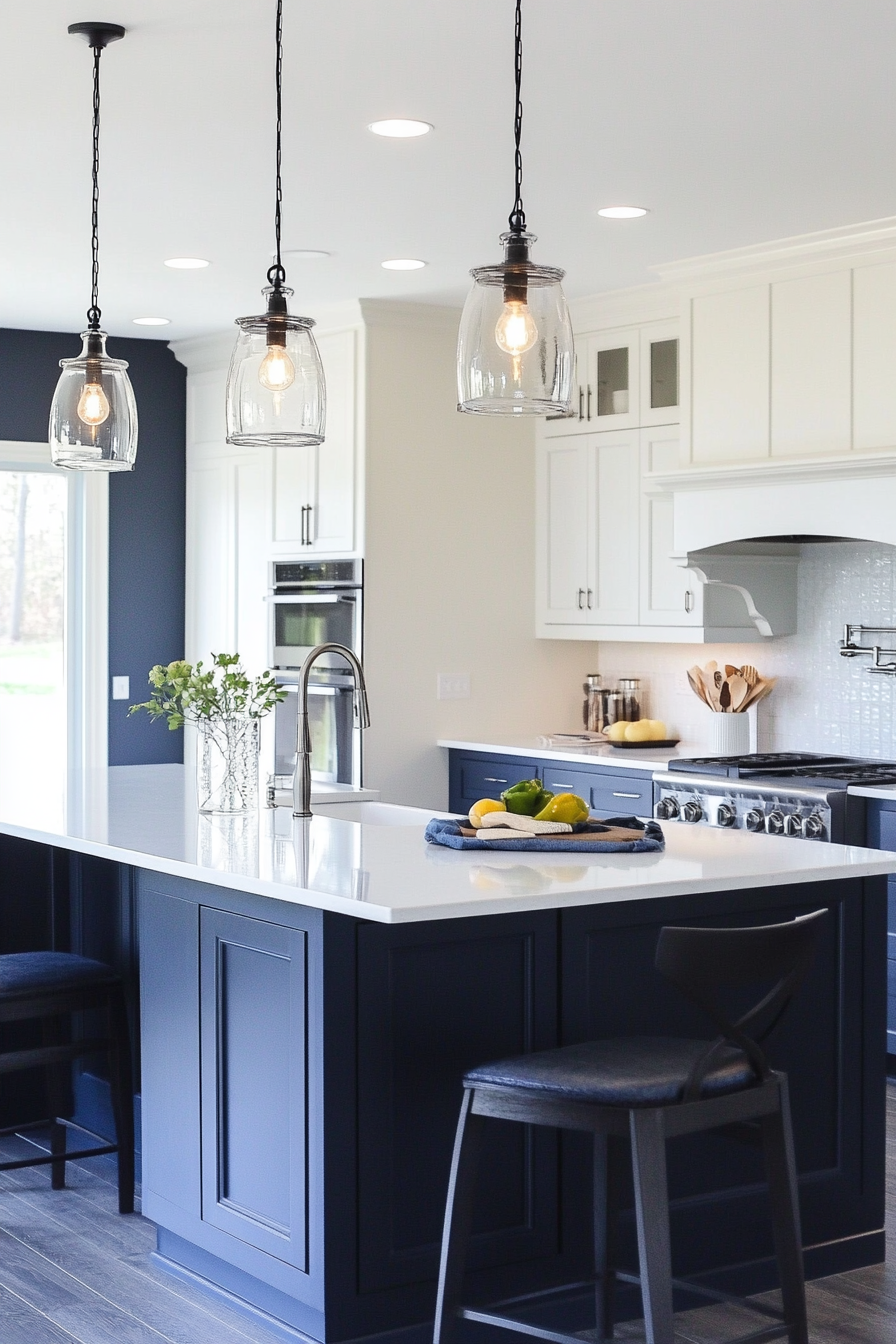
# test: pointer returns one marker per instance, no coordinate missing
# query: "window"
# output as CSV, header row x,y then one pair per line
x,y
53,617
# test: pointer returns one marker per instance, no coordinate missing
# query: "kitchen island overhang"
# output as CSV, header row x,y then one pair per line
x,y
302,1064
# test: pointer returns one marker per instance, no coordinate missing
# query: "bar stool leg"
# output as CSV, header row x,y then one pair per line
x,y
458,1216
122,1097
777,1142
58,1085
652,1214
604,1205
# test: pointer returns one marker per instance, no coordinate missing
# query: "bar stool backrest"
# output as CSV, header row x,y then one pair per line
x,y
700,962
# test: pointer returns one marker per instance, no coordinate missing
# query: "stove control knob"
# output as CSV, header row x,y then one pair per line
x,y
725,815
793,824
667,809
692,811
774,823
754,820
814,827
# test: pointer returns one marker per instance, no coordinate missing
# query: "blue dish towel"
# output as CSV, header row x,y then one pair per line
x,y
440,832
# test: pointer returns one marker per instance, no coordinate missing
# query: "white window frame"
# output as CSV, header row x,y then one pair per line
x,y
86,601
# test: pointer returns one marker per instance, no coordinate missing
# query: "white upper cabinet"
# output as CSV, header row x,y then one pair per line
x,y
312,488
625,377
811,351
670,595
729,347
587,529
874,357
789,351
659,376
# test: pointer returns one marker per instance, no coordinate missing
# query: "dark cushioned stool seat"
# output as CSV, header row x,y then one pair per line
x,y
24,972
638,1071
47,988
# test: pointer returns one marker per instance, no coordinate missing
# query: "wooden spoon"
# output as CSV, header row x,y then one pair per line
x,y
749,674
730,671
739,689
696,684
725,697
709,685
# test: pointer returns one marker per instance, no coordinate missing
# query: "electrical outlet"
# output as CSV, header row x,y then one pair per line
x,y
453,686
121,688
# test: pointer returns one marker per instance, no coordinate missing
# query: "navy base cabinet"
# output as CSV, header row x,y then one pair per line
x,y
609,793
302,1077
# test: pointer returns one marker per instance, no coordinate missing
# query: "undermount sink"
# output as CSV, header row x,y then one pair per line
x,y
374,814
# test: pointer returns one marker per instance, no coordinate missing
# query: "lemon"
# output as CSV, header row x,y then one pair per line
x,y
658,730
616,731
479,810
640,731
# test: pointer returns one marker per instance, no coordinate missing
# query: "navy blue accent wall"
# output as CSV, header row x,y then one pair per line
x,y
146,515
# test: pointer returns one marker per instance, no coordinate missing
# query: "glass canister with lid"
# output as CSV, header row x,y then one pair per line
x,y
594,708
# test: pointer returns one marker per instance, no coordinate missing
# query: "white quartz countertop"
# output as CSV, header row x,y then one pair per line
x,y
873,791
146,816
643,757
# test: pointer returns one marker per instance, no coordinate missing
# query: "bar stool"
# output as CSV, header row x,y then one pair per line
x,y
650,1089
50,986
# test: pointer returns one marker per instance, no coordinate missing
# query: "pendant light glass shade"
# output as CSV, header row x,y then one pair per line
x,y
276,394
93,418
515,351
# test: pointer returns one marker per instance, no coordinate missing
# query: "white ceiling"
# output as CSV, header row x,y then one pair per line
x,y
735,121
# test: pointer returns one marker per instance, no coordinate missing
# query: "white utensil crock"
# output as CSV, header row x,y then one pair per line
x,y
730,734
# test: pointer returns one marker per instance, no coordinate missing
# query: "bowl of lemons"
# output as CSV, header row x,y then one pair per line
x,y
641,733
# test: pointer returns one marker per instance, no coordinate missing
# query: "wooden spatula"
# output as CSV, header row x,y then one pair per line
x,y
739,689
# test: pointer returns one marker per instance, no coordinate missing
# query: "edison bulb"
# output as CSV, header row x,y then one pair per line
x,y
515,329
93,404
277,371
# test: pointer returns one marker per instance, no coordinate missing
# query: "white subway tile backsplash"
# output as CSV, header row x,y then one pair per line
x,y
822,702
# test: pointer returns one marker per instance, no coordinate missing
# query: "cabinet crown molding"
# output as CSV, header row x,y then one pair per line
x,y
851,242
773,471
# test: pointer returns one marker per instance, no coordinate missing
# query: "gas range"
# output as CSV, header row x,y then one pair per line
x,y
800,794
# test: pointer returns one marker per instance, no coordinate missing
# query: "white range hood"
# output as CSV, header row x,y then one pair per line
x,y
736,528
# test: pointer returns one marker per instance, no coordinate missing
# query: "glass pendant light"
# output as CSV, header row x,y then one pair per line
x,y
93,418
515,352
276,394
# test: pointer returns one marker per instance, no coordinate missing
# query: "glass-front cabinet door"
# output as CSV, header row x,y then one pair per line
x,y
660,393
612,391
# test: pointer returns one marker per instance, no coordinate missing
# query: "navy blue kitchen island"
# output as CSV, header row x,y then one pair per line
x,y
304,1033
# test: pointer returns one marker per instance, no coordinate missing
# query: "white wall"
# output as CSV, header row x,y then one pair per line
x,y
822,702
450,565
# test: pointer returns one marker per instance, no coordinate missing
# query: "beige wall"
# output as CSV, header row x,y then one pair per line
x,y
449,567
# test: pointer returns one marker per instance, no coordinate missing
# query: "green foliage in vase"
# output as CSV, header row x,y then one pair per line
x,y
181,691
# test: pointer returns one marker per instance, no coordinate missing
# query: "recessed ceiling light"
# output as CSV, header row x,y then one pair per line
x,y
403,264
304,254
400,128
186,263
623,212
152,321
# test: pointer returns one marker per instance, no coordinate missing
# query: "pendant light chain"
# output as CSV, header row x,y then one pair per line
x,y
277,273
517,218
93,312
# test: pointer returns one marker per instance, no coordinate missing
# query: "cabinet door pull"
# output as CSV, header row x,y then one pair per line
x,y
689,600
581,402
618,794
308,537
589,401
581,598
304,511
590,595
556,784
492,779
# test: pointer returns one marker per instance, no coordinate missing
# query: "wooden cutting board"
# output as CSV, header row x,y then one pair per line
x,y
603,836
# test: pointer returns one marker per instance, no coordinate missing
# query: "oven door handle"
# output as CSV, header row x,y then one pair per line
x,y
310,597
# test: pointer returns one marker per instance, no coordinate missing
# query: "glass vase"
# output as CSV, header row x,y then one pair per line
x,y
227,764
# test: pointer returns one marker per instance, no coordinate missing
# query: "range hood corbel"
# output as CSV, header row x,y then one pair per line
x,y
749,589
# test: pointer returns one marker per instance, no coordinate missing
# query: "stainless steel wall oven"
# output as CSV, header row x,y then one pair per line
x,y
317,602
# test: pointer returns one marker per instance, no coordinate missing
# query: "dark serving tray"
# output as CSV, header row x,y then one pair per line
x,y
648,746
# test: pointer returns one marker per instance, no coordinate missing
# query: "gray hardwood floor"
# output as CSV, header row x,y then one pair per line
x,y
72,1270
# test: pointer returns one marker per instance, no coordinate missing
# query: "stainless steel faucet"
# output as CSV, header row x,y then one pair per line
x,y
301,784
